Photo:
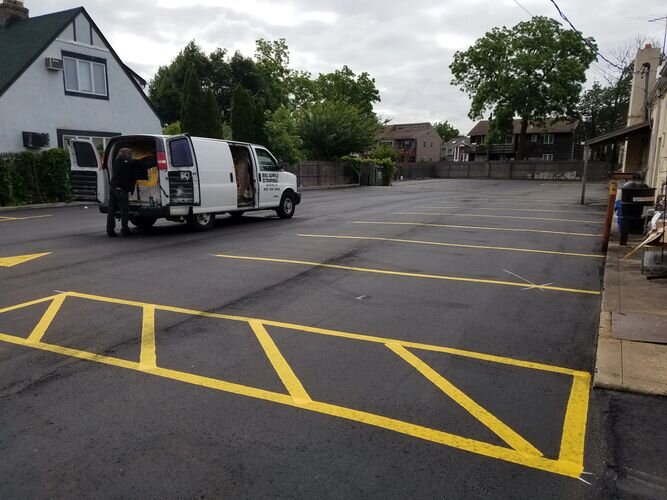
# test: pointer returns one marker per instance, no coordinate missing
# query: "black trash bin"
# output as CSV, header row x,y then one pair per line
x,y
631,214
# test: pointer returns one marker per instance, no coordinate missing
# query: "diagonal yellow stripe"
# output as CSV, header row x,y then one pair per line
x,y
48,317
480,413
280,364
457,245
414,275
455,226
148,357
27,304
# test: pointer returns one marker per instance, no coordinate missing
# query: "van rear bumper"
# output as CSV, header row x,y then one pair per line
x,y
159,212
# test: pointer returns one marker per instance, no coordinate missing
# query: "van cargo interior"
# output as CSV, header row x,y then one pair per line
x,y
245,180
147,190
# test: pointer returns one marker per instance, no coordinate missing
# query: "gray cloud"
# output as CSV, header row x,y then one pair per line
x,y
405,46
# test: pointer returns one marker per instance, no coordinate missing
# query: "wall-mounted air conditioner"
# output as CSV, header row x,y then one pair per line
x,y
35,140
54,64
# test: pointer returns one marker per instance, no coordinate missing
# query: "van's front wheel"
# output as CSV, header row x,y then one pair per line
x,y
201,222
286,208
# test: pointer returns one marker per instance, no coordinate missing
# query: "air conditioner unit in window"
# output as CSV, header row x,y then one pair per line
x,y
54,64
35,140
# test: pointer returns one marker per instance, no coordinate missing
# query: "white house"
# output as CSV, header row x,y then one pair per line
x,y
60,78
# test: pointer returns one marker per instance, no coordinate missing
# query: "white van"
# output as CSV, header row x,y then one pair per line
x,y
191,179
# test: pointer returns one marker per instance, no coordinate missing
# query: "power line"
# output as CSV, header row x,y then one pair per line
x,y
526,10
584,39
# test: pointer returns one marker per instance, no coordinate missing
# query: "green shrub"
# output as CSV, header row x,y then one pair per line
x,y
35,178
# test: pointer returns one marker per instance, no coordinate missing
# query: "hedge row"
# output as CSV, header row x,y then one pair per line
x,y
35,178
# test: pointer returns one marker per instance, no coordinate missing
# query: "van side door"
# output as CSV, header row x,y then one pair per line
x,y
182,172
269,178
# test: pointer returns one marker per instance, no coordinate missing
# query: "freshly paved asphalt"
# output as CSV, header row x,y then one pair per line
x,y
77,428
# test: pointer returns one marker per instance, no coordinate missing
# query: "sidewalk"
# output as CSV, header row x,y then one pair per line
x,y
628,365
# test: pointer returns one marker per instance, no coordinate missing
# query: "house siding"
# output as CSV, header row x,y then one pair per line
x,y
36,102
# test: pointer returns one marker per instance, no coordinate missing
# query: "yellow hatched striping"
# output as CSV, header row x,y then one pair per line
x,y
569,462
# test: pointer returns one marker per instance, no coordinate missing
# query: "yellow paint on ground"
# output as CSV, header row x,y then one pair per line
x,y
11,219
415,275
569,463
457,245
20,259
47,318
488,216
490,421
148,357
455,226
283,369
504,209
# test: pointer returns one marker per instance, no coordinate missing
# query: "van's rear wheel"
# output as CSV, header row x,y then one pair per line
x,y
143,222
286,208
201,222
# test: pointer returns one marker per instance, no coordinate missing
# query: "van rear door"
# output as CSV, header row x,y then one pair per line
x,y
182,173
84,166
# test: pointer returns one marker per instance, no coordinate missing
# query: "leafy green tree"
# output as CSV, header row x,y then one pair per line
x,y
331,129
446,130
172,129
211,116
344,86
534,70
166,88
283,135
247,117
272,59
383,151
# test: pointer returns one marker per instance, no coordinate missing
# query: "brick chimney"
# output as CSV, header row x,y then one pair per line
x,y
12,11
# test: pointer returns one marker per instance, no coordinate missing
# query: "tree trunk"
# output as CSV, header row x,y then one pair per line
x,y
523,143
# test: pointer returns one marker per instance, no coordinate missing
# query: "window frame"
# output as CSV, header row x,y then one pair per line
x,y
548,139
268,155
77,58
548,157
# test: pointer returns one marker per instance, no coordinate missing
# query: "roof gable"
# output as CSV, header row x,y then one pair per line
x,y
22,42
549,127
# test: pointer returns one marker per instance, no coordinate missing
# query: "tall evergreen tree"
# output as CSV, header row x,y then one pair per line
x,y
193,120
248,117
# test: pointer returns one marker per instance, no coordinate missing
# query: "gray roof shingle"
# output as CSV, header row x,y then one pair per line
x,y
550,127
23,41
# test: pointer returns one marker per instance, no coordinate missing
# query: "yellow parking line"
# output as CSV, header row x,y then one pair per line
x,y
499,209
456,226
569,462
11,219
413,275
480,413
488,216
148,356
27,304
283,369
47,318
457,245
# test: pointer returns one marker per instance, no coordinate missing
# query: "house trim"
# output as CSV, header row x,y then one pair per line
x,y
61,132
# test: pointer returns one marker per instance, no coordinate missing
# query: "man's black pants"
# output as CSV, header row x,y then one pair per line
x,y
118,200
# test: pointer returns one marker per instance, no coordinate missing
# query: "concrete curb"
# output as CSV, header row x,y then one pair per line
x,y
47,205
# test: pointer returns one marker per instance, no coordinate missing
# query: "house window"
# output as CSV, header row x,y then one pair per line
x,y
85,76
450,151
548,138
424,143
533,138
548,157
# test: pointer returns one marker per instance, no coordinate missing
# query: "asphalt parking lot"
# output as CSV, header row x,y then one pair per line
x,y
430,339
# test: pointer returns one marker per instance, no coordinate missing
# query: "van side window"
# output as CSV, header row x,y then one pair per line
x,y
266,161
179,151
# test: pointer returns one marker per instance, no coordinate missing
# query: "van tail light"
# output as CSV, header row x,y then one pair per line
x,y
161,157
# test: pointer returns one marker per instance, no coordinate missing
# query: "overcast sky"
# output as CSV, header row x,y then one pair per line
x,y
406,46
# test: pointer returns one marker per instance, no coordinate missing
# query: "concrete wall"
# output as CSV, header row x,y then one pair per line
x,y
657,163
36,102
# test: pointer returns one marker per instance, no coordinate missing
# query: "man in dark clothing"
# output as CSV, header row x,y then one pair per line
x,y
123,179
